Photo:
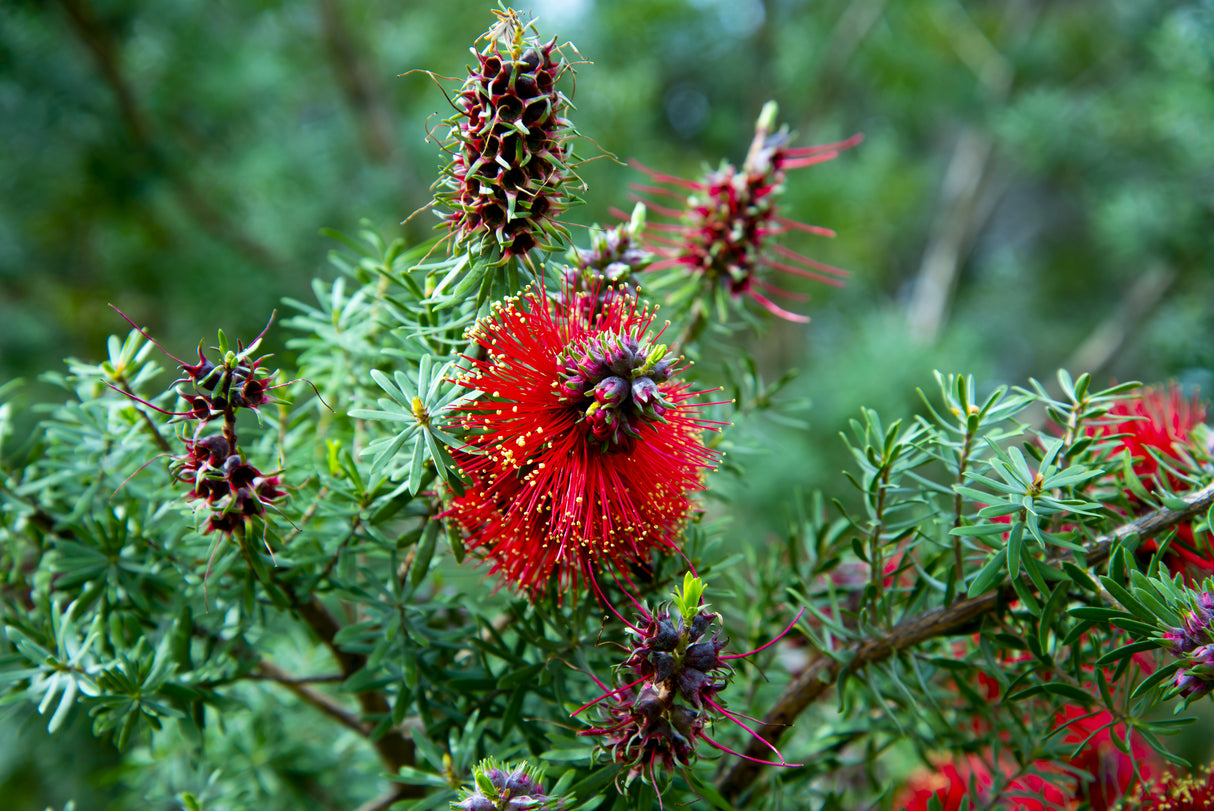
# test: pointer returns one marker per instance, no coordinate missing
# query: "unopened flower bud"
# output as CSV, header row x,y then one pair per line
x,y
1191,685
611,391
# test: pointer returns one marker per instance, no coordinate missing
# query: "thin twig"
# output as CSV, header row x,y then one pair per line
x,y
394,748
825,669
268,670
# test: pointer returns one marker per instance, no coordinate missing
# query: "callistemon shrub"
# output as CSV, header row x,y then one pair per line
x,y
584,448
267,605
508,175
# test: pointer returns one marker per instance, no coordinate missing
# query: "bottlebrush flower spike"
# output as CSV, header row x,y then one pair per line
x,y
724,230
674,670
582,450
508,176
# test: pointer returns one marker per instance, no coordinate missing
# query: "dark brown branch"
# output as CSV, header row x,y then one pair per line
x,y
268,670
826,669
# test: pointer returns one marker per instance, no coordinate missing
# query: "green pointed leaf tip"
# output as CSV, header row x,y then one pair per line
x,y
689,597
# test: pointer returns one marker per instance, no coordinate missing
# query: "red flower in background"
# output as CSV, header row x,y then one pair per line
x,y
949,781
1156,426
1111,773
729,216
582,450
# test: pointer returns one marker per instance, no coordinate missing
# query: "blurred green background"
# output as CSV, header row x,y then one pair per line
x,y
1036,186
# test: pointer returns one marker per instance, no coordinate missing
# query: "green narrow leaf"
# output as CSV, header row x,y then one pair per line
x,y
1015,546
1128,600
990,574
1045,622
1026,596
1115,656
425,551
1160,676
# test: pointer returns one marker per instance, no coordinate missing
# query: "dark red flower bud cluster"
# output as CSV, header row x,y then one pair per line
x,y
614,381
1194,641
217,472
612,261
675,669
231,488
501,788
506,181
660,716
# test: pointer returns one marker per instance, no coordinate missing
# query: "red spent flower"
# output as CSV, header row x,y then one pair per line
x,y
1157,426
582,452
727,219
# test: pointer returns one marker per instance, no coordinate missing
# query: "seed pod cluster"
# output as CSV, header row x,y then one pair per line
x,y
507,179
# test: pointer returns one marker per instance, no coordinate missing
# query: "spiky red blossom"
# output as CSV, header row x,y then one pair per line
x,y
725,227
951,781
582,450
506,181
1157,426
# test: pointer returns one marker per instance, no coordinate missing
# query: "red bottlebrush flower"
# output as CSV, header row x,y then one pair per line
x,y
1112,770
1174,792
1111,773
1157,426
582,451
506,181
729,216
950,782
